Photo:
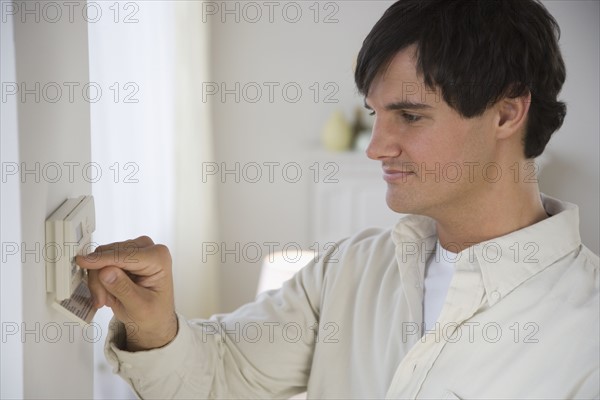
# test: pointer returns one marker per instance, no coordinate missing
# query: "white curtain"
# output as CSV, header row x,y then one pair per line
x,y
196,215
150,135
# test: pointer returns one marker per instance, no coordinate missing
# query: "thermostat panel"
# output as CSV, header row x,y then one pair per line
x,y
68,234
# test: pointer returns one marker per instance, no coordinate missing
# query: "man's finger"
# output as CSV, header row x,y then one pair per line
x,y
142,241
99,293
129,296
145,261
125,249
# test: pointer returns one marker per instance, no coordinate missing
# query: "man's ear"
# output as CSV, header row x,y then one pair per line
x,y
512,115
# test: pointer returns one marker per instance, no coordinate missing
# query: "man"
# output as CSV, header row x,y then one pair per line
x,y
485,291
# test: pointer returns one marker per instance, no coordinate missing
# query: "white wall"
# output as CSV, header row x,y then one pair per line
x,y
11,307
57,361
301,54
573,169
306,52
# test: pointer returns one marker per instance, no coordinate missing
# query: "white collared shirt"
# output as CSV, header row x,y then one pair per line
x,y
520,320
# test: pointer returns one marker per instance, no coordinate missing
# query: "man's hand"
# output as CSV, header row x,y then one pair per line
x,y
134,279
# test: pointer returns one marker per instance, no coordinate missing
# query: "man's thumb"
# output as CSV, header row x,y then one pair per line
x,y
120,286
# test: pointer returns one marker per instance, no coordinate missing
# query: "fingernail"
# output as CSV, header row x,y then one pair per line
x,y
110,277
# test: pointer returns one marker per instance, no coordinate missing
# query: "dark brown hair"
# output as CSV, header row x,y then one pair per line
x,y
476,52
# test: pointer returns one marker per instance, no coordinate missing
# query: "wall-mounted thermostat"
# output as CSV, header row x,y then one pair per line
x,y
68,234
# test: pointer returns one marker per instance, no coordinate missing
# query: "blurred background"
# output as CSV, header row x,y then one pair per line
x,y
211,127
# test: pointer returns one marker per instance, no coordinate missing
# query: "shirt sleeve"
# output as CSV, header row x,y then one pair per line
x,y
262,350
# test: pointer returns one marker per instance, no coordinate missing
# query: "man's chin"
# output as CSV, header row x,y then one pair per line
x,y
405,205
399,206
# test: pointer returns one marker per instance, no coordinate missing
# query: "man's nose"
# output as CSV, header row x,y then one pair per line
x,y
384,142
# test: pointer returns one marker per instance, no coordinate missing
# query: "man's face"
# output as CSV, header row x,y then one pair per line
x,y
433,159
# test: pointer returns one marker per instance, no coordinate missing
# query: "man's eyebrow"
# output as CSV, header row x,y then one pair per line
x,y
403,105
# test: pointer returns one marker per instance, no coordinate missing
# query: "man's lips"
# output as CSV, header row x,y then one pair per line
x,y
396,175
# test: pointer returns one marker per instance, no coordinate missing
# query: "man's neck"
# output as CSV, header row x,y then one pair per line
x,y
498,213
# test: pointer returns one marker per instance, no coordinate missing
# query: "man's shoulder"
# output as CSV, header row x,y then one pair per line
x,y
379,238
572,285
589,264
370,238
372,250
591,258
584,263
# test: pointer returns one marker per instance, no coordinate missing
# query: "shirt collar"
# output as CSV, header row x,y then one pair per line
x,y
413,228
507,261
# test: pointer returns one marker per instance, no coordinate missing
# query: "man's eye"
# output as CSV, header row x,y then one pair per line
x,y
411,118
372,113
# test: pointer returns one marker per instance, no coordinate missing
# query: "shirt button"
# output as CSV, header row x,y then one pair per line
x,y
495,295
